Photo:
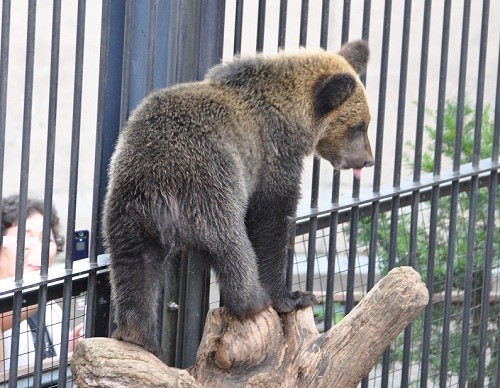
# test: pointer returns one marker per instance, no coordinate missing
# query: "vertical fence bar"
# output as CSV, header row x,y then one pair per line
x,y
462,378
193,301
161,44
374,216
496,125
450,258
127,73
435,195
398,155
108,124
480,83
73,184
353,236
291,254
332,241
461,87
454,198
183,59
351,266
334,216
49,183
443,371
75,131
399,133
380,135
325,18
494,158
151,46
352,253
372,251
403,79
282,24
194,50
417,168
443,71
313,227
382,95
108,108
488,261
261,23
26,142
304,15
332,254
415,199
346,17
490,225
472,352
293,228
4,74
238,27
139,56
313,222
211,36
400,130
23,191
372,256
469,269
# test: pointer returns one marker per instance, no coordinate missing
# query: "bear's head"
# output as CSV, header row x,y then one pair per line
x,y
342,110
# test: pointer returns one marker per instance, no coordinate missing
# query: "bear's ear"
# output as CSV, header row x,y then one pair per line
x,y
331,92
356,53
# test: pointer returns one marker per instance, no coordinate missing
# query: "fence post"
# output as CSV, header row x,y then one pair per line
x,y
149,44
195,41
108,126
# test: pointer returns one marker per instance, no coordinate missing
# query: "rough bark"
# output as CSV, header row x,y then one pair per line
x,y
268,350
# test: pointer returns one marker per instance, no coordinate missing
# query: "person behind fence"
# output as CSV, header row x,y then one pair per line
x,y
32,262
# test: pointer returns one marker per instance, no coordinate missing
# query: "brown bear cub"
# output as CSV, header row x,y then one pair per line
x,y
215,166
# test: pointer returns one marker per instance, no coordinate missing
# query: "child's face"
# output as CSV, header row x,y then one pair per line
x,y
32,249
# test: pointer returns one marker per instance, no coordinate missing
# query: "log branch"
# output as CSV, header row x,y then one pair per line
x,y
268,350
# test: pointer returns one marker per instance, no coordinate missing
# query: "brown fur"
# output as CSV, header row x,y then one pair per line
x,y
215,166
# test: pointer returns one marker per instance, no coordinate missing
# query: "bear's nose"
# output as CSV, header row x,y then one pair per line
x,y
369,163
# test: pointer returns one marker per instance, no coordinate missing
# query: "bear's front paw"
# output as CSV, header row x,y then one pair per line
x,y
294,301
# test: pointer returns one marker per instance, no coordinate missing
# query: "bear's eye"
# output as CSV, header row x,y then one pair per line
x,y
358,128
355,132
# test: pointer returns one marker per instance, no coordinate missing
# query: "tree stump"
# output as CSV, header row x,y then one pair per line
x,y
268,350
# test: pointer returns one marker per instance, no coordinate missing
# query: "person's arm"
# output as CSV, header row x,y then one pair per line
x,y
6,324
75,336
7,318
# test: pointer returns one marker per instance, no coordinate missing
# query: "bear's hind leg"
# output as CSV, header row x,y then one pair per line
x,y
137,281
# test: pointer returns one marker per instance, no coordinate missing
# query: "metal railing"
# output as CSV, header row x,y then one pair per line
x,y
348,232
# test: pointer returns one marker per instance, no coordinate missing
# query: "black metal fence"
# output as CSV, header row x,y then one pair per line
x,y
431,201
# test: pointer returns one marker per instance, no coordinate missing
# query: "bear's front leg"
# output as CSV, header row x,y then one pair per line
x,y
235,264
268,228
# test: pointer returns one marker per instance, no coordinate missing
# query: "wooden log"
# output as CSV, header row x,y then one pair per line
x,y
268,350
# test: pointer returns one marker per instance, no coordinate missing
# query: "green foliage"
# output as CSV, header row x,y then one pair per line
x,y
442,248
338,313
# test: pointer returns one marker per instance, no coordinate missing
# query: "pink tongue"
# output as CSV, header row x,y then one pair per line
x,y
357,173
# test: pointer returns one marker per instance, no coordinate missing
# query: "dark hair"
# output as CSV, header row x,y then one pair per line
x,y
10,216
